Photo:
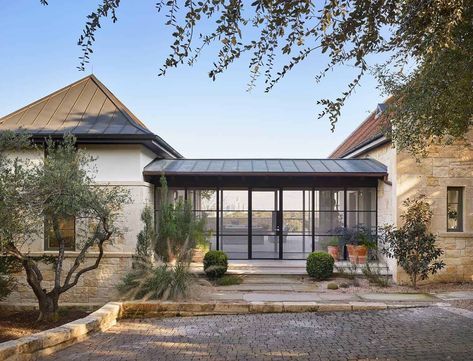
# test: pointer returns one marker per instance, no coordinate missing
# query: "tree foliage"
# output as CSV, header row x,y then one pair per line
x,y
179,230
55,188
8,267
412,245
425,48
147,236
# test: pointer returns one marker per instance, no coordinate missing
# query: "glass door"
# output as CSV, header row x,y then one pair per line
x,y
297,224
233,223
265,220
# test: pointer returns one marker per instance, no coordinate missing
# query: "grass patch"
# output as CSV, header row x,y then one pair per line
x,y
228,280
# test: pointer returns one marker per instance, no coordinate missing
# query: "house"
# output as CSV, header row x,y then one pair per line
x,y
444,176
269,209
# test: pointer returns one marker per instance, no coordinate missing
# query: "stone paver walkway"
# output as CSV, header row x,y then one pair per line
x,y
407,334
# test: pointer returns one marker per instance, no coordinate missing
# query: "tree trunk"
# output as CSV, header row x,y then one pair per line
x,y
48,307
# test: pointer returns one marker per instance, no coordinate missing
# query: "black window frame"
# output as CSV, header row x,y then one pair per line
x,y
460,220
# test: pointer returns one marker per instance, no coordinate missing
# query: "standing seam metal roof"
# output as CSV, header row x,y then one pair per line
x,y
265,166
85,107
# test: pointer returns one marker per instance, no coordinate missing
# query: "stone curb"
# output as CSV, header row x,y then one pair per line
x,y
46,342
137,309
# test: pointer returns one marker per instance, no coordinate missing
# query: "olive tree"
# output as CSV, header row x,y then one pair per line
x,y
412,245
35,197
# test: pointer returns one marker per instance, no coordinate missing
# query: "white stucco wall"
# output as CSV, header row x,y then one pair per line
x,y
122,165
387,200
115,165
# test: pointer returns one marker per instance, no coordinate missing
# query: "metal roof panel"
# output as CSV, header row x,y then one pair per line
x,y
268,166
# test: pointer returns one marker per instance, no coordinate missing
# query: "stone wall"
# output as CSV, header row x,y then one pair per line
x,y
97,286
445,166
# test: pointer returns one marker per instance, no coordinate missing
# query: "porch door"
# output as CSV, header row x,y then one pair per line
x,y
297,230
265,224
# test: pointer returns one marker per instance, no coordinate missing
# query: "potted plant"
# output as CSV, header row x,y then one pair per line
x,y
359,248
333,248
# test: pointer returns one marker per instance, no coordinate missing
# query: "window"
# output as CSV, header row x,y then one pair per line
x,y
361,208
454,209
67,227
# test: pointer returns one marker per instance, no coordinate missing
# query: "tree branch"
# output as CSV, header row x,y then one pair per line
x,y
106,237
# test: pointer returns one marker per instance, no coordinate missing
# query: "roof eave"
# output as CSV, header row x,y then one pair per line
x,y
264,174
366,146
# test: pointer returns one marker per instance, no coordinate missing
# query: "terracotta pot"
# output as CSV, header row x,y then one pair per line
x,y
357,254
361,254
351,253
334,251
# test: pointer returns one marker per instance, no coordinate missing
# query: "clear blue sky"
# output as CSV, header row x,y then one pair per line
x,y
197,116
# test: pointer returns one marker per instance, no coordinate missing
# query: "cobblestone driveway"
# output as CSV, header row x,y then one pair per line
x,y
408,334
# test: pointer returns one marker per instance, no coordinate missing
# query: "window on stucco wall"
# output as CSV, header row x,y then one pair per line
x,y
454,209
67,228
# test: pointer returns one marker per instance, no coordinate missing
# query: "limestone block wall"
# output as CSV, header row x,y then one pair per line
x,y
445,166
98,286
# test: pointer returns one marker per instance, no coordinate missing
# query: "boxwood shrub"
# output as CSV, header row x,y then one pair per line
x,y
215,264
320,265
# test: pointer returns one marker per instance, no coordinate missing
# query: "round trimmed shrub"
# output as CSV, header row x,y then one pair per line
x,y
320,265
215,264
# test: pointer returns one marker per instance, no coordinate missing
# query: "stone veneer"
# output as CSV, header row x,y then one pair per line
x,y
445,166
97,286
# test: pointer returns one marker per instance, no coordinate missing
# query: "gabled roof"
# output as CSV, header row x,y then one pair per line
x,y
296,167
370,130
86,109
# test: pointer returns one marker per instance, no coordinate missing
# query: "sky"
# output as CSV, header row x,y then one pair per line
x,y
199,117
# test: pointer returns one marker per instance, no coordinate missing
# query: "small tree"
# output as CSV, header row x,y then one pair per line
x,y
146,238
179,231
412,245
44,193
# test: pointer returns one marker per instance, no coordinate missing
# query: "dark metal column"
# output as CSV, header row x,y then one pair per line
x,y
217,236
280,224
312,214
250,223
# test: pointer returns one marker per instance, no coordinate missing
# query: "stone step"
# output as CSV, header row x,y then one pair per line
x,y
267,288
289,268
271,279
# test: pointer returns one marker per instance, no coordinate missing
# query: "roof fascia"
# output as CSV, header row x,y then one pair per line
x,y
367,146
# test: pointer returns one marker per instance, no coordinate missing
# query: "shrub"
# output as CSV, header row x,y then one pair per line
x,y
161,282
375,276
215,264
320,265
228,280
413,245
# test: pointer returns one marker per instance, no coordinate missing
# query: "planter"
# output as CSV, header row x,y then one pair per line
x,y
334,251
357,254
